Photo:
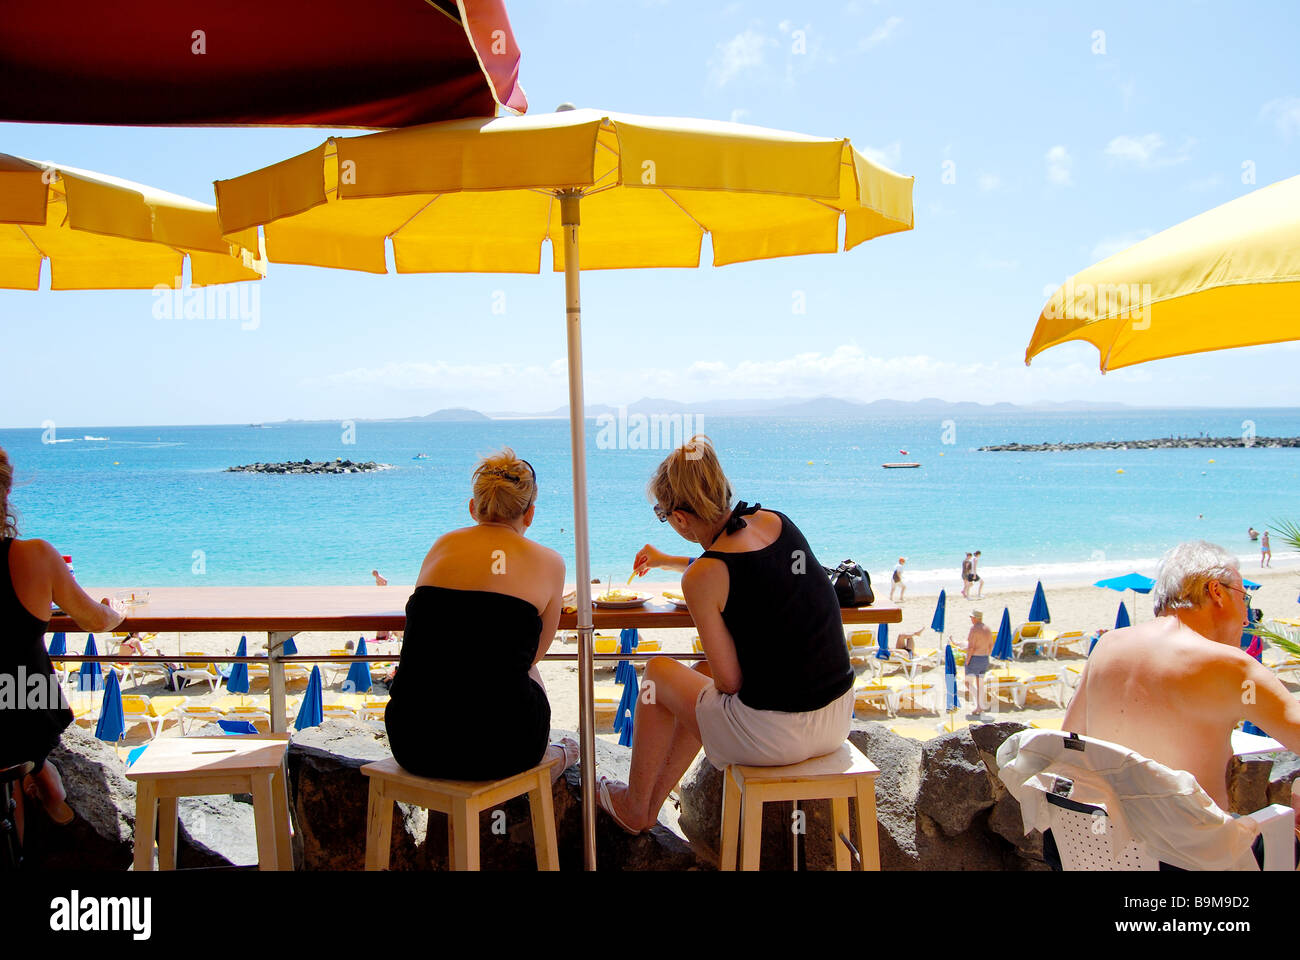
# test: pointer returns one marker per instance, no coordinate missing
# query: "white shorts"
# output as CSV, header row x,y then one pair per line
x,y
735,733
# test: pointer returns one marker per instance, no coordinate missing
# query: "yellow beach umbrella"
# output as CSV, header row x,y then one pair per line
x,y
482,196
1229,277
102,233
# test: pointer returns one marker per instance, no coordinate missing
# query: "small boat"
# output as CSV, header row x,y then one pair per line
x,y
421,456
899,466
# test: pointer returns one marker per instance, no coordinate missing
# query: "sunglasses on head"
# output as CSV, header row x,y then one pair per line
x,y
516,480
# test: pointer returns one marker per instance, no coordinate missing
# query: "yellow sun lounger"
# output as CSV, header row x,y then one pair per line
x,y
1050,681
189,714
862,644
137,708
876,695
198,671
1005,684
910,664
1031,634
920,695
1072,640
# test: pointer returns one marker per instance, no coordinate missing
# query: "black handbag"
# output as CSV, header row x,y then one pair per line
x,y
852,584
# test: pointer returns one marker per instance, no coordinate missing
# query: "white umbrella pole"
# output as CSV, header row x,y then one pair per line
x,y
569,217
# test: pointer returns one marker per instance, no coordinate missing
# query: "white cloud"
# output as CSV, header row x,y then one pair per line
x,y
1146,151
1109,246
743,53
1284,112
739,114
890,155
880,34
988,182
850,373
444,377
1059,163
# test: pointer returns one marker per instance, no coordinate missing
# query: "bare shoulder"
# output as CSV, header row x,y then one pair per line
x,y
551,559
705,571
34,553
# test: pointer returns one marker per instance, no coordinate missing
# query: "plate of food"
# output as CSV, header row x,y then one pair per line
x,y
676,598
617,599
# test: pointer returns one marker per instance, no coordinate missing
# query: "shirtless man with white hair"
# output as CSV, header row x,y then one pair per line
x,y
1173,689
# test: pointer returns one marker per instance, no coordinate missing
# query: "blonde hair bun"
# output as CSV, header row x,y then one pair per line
x,y
504,487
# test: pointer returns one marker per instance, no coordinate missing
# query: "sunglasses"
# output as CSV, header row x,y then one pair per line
x,y
663,514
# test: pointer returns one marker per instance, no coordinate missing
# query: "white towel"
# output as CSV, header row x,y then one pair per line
x,y
1165,811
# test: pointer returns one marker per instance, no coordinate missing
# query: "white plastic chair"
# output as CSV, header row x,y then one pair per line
x,y
1109,808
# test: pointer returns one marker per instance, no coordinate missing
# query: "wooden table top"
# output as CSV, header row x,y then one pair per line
x,y
172,757
347,609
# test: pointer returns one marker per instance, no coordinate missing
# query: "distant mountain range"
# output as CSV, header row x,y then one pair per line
x,y
818,407
783,407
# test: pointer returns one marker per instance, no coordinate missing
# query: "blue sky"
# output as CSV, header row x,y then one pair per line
x,y
1070,132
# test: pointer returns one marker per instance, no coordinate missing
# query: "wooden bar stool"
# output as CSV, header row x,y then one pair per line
x,y
461,801
836,777
201,766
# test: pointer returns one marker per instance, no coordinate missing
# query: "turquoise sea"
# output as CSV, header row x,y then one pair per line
x,y
151,506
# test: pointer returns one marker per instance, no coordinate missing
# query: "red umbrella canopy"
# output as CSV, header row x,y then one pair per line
x,y
326,63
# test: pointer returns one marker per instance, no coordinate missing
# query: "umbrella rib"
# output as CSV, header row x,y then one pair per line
x,y
684,210
35,245
407,221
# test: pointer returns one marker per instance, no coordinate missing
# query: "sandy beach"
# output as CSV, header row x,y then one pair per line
x,y
1074,607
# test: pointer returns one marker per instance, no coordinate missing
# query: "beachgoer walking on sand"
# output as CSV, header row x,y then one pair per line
x,y
896,582
978,646
1265,551
975,573
966,567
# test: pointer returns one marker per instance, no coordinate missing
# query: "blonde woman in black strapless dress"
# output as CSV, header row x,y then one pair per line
x,y
467,702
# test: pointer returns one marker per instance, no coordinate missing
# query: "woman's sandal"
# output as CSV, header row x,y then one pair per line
x,y
606,803
570,749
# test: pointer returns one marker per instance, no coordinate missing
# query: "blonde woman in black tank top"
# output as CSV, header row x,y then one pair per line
x,y
777,685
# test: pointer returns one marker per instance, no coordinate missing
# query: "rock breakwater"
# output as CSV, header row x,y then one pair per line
x,y
311,466
1164,443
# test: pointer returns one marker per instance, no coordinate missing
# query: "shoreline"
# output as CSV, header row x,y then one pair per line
x,y
920,583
